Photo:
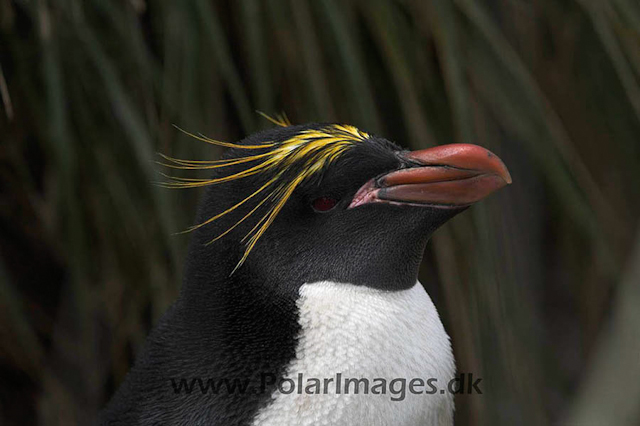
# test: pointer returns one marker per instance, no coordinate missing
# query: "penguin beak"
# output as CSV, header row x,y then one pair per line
x,y
455,175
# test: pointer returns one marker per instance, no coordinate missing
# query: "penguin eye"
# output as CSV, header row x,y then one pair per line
x,y
323,204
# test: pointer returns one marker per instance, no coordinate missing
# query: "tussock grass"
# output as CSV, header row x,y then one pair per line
x,y
527,281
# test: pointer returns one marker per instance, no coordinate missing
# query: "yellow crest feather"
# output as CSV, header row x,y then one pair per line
x,y
309,151
280,119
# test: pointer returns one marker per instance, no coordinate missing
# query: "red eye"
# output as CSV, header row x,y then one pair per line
x,y
323,204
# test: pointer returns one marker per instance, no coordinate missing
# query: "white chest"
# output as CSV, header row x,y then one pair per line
x,y
355,332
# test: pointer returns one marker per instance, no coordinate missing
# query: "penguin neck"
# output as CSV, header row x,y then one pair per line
x,y
242,311
261,296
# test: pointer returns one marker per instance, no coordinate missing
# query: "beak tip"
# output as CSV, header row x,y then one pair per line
x,y
506,176
500,167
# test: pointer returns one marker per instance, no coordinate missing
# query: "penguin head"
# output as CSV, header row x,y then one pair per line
x,y
322,202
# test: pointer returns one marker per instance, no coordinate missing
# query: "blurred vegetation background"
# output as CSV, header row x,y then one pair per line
x,y
539,286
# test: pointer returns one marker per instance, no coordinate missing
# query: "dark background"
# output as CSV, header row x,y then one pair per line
x,y
539,285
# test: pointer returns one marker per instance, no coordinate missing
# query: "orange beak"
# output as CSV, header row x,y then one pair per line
x,y
455,175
